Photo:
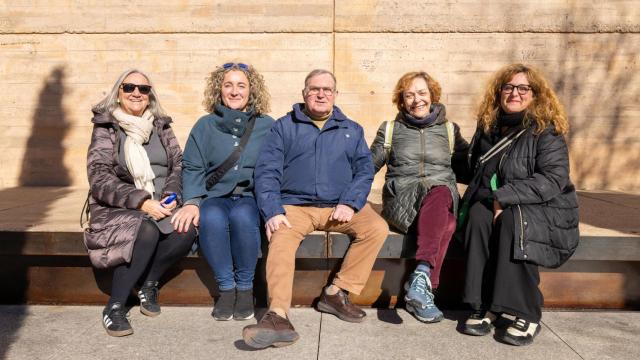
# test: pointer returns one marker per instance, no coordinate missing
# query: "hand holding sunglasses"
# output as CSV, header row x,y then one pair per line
x,y
129,88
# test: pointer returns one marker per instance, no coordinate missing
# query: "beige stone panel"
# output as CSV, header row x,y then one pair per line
x,y
50,83
165,16
596,76
487,16
606,165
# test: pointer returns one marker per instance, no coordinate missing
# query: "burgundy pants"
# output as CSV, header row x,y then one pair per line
x,y
435,226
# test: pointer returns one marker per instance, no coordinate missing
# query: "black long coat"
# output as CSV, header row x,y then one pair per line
x,y
534,183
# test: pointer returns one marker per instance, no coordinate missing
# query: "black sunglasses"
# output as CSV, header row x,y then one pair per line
x,y
129,88
240,65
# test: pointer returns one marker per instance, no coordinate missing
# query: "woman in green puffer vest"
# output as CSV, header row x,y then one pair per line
x,y
419,148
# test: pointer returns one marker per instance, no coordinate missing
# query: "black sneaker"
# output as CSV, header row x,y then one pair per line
x,y
148,296
479,323
223,309
244,305
114,320
521,332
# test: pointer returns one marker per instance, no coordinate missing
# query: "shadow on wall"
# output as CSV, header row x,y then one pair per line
x,y
597,79
599,95
43,163
42,166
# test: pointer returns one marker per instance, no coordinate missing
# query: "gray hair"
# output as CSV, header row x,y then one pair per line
x,y
318,72
110,102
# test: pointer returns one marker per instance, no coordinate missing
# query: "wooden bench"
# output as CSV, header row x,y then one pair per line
x,y
43,260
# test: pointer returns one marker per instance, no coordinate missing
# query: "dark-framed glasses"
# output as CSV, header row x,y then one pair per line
x,y
240,65
129,88
314,90
522,88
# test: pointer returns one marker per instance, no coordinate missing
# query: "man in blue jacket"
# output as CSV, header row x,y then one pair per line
x,y
314,173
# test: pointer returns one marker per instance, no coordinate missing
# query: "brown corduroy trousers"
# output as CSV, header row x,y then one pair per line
x,y
367,229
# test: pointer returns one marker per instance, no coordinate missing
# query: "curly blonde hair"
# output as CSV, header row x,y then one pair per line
x,y
545,109
259,98
435,91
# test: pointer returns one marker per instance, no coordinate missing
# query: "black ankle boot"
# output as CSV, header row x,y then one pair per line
x,y
223,309
244,305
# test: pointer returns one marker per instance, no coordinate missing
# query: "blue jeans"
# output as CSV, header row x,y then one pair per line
x,y
230,240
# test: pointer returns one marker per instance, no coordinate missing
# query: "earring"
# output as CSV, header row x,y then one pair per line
x,y
118,101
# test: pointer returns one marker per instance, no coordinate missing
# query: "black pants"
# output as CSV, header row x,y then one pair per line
x,y
153,254
494,281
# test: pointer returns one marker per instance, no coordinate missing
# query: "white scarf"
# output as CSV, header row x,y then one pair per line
x,y
138,130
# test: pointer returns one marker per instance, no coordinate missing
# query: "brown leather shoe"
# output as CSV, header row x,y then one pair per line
x,y
271,330
340,306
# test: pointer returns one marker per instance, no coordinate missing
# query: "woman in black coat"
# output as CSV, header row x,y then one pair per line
x,y
522,206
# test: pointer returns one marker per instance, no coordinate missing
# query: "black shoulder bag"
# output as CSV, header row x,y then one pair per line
x,y
219,172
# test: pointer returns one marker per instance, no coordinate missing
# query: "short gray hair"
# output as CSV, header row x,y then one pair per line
x,y
110,102
318,72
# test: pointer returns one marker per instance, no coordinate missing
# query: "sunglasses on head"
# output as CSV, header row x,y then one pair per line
x,y
129,88
240,65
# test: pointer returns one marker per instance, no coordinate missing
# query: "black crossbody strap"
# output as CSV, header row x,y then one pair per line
x,y
500,145
219,172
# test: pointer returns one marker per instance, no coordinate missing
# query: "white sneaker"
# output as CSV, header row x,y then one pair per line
x,y
479,323
521,332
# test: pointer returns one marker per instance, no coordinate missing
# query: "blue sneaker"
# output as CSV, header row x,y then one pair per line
x,y
419,298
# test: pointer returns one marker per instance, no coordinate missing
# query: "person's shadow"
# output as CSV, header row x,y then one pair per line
x,y
42,166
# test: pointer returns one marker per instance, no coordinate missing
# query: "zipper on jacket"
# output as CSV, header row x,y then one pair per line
x,y
422,157
500,163
470,153
521,231
166,151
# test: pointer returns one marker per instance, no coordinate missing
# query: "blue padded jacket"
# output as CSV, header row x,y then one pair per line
x,y
301,164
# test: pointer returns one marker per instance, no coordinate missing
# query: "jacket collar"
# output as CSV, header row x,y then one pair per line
x,y
299,115
105,117
435,107
232,121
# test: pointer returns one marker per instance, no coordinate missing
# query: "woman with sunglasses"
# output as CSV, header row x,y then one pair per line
x,y
134,167
420,148
523,209
219,161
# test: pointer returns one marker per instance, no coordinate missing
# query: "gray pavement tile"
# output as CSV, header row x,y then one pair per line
x,y
35,332
75,332
387,334
598,335
187,333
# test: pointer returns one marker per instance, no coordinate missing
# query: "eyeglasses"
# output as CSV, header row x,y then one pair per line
x,y
327,91
522,88
240,65
129,88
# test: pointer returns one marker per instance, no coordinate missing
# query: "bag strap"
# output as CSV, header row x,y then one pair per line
x,y
499,146
388,137
219,172
450,135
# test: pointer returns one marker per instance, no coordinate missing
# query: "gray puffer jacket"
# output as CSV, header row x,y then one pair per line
x,y
418,160
114,201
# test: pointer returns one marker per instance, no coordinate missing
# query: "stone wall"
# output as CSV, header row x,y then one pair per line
x,y
59,57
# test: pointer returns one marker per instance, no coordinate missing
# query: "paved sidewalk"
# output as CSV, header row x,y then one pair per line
x,y
75,332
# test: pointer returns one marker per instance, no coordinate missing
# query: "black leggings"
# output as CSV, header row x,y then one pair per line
x,y
154,253
494,281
